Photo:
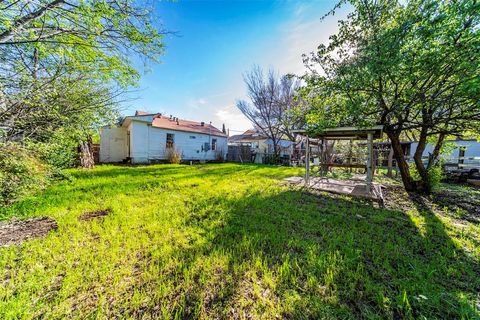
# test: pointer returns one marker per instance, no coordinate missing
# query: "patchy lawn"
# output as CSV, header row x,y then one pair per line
x,y
232,241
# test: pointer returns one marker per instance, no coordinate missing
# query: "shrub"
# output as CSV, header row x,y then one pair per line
x,y
58,153
173,156
435,174
22,173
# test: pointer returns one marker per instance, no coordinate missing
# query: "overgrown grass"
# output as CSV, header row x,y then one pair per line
x,y
230,241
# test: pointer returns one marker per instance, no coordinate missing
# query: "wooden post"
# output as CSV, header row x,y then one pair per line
x,y
323,157
350,152
307,163
369,162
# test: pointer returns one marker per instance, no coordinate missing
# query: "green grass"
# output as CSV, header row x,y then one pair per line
x,y
231,241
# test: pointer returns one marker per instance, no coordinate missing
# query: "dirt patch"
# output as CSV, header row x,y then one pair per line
x,y
90,215
462,204
17,231
465,204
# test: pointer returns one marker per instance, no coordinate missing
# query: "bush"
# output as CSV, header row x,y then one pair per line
x,y
435,174
59,152
173,156
22,173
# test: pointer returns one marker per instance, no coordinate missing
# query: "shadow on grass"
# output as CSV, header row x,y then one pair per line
x,y
317,257
287,253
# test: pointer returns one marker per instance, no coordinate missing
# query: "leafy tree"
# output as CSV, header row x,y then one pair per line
x,y
411,66
64,65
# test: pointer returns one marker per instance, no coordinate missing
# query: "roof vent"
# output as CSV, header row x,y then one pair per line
x,y
202,123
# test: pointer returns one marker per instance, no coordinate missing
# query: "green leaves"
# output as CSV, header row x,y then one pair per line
x,y
411,66
64,65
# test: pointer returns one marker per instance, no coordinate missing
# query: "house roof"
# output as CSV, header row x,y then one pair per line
x,y
173,123
248,136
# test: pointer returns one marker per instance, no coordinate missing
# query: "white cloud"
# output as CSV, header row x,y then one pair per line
x,y
300,35
233,119
201,101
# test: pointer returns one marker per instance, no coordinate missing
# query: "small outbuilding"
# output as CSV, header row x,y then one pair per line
x,y
146,138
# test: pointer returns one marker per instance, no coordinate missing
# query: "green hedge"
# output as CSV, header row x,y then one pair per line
x,y
22,173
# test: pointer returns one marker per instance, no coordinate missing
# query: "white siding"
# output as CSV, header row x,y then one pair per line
x,y
472,150
113,144
138,142
149,143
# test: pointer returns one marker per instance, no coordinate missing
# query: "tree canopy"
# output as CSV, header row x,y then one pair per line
x,y
65,64
411,66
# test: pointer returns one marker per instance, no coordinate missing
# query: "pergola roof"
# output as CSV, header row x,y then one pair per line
x,y
346,133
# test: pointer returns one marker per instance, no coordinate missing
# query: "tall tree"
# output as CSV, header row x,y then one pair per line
x,y
64,64
263,92
411,66
275,108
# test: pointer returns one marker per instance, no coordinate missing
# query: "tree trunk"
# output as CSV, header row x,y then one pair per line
x,y
424,185
276,151
86,154
433,158
402,164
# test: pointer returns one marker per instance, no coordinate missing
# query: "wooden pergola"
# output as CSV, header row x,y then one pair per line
x,y
344,133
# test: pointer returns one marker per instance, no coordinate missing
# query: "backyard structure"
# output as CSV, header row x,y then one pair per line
x,y
361,186
146,138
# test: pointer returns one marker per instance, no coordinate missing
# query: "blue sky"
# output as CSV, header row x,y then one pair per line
x,y
200,76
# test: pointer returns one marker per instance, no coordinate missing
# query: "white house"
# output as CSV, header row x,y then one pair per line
x,y
144,138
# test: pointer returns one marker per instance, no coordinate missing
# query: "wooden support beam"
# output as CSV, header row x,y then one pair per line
x,y
369,162
307,163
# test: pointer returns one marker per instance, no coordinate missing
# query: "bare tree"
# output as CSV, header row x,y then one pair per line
x,y
263,92
273,107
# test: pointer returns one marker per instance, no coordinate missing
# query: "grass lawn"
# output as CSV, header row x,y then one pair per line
x,y
231,241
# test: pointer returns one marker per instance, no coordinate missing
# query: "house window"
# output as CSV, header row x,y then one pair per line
x,y
170,140
214,144
206,146
193,137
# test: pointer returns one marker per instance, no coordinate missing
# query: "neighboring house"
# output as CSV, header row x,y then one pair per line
x,y
144,138
463,152
260,144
